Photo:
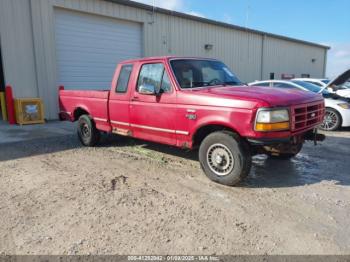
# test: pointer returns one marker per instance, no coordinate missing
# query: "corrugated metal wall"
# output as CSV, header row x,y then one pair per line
x,y
28,35
282,56
17,47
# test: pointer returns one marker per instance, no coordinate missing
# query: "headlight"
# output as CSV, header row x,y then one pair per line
x,y
272,120
344,105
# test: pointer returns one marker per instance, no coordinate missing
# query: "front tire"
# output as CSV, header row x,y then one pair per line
x,y
87,132
332,120
225,158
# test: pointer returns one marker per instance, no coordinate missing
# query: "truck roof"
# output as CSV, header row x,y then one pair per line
x,y
162,58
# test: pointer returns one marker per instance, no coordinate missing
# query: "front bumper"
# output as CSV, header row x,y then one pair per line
x,y
311,135
269,141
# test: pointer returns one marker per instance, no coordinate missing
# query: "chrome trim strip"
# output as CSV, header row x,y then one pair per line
x,y
179,132
120,123
100,119
154,128
182,132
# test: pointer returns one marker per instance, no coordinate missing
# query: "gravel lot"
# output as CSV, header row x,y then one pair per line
x,y
131,197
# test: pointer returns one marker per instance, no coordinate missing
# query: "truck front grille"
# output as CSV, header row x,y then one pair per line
x,y
307,115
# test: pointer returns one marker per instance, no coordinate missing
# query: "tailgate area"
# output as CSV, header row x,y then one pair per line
x,y
72,102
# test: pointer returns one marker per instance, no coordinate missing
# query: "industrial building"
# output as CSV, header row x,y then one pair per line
x,y
78,43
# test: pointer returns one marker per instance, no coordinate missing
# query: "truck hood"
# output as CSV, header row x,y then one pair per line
x,y
270,95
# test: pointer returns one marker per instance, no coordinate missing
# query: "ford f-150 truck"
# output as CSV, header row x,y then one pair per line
x,y
197,103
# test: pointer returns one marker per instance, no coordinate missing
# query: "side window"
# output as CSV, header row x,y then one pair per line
x,y
150,74
315,83
263,84
123,79
283,85
166,85
154,74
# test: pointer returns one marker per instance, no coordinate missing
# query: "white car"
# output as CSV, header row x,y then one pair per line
x,y
337,109
320,82
338,85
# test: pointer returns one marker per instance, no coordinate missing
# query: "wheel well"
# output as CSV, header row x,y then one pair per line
x,y
79,112
204,131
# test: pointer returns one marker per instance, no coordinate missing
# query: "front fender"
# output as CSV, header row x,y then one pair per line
x,y
238,120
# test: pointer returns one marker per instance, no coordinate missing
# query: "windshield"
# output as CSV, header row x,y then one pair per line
x,y
192,73
326,81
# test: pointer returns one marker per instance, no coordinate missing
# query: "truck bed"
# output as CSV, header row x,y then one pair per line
x,y
93,101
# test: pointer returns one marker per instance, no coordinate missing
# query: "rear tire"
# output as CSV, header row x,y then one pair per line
x,y
88,134
225,158
332,120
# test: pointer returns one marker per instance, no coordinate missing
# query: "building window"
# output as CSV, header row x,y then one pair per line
x,y
305,75
285,76
272,76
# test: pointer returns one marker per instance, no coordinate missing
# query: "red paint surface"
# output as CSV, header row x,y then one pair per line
x,y
163,118
10,105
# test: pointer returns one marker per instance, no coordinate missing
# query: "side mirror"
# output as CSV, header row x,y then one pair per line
x,y
147,89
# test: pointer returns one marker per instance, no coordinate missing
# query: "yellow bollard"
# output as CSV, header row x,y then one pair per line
x,y
3,106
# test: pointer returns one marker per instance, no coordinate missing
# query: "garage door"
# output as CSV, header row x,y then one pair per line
x,y
88,48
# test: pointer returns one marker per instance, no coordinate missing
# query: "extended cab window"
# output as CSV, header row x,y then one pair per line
x,y
156,75
123,79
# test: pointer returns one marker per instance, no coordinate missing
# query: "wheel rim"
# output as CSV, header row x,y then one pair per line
x,y
85,130
330,120
220,159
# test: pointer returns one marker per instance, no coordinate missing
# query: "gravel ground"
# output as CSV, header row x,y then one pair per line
x,y
131,197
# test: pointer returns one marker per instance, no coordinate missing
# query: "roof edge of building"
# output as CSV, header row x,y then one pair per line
x,y
213,22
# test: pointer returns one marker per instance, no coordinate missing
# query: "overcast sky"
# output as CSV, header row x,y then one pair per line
x,y
321,21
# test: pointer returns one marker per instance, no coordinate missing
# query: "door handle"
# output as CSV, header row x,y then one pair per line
x,y
135,98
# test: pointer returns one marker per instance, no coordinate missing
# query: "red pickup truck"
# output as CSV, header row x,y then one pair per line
x,y
197,103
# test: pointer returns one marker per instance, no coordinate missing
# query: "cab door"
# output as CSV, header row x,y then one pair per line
x,y
153,115
119,99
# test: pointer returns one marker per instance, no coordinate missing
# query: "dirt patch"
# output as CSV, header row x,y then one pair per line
x,y
131,197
